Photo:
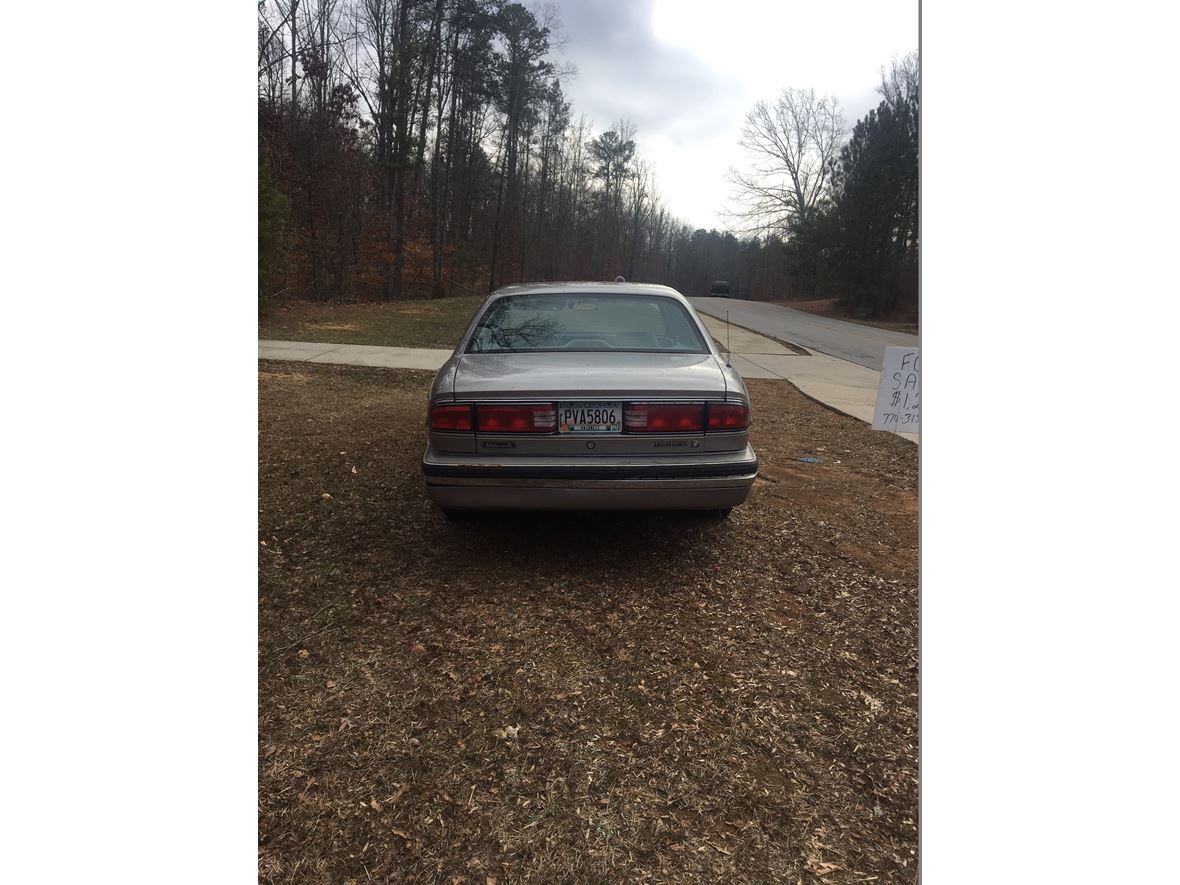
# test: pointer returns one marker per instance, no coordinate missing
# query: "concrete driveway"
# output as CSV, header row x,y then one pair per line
x,y
859,344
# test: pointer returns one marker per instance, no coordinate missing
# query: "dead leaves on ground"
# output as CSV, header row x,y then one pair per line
x,y
749,704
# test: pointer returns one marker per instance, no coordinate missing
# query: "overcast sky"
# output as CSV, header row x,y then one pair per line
x,y
687,71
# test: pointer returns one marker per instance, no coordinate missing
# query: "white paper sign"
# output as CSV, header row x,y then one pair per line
x,y
901,386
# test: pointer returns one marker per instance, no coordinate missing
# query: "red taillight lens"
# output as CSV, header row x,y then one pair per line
x,y
451,418
533,418
728,416
663,417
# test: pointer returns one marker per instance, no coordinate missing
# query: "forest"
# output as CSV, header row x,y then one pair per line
x,y
426,148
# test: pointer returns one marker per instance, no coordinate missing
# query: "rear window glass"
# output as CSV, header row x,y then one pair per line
x,y
524,323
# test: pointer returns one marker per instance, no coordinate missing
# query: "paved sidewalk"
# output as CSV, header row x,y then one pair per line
x,y
354,354
840,384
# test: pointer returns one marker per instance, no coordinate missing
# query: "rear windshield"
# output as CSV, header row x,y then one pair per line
x,y
586,323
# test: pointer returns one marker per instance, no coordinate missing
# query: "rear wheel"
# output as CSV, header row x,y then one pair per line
x,y
720,514
456,515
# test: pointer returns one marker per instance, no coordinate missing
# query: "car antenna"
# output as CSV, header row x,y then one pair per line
x,y
728,349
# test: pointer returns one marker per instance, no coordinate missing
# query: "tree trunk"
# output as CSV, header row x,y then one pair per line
x,y
401,103
294,81
435,51
496,226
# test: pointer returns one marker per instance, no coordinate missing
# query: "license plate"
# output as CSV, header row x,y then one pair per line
x,y
590,417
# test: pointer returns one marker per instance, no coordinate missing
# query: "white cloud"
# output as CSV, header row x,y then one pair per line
x,y
769,44
687,71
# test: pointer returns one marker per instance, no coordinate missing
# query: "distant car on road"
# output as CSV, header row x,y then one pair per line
x,y
588,396
720,289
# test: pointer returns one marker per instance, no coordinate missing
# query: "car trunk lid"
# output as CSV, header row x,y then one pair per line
x,y
597,378
588,376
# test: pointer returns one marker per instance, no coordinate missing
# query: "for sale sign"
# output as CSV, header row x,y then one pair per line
x,y
901,386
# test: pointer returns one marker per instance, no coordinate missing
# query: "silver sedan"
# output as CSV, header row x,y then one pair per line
x,y
588,396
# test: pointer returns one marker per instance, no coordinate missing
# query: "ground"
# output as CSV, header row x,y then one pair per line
x,y
827,307
592,698
432,323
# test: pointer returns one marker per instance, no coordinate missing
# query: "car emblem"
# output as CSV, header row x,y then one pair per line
x,y
589,445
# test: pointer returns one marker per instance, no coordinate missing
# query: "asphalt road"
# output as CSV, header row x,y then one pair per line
x,y
854,342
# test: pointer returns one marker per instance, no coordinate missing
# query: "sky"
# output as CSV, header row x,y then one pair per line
x,y
687,72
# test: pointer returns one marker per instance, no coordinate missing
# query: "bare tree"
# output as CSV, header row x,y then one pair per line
x,y
272,52
793,147
392,130
292,13
900,84
639,193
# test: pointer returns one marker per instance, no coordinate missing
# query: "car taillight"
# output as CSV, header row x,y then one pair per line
x,y
533,418
728,416
451,417
663,417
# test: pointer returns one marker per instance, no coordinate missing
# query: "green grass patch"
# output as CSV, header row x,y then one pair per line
x,y
434,323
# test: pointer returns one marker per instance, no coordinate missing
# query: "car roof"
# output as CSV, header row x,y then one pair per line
x,y
587,288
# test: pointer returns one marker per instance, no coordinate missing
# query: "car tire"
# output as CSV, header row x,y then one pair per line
x,y
720,514
456,515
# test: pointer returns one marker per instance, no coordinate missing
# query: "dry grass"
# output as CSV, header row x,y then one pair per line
x,y
433,323
598,698
827,307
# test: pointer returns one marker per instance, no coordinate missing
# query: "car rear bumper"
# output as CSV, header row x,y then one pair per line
x,y
703,483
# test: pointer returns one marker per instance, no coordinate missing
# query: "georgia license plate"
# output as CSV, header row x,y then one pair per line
x,y
590,417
